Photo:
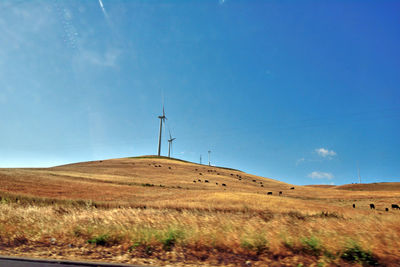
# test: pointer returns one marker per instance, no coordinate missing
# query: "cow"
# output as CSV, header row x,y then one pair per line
x,y
354,206
395,206
254,181
262,185
372,206
223,184
292,188
216,183
269,193
280,193
206,181
194,181
386,209
200,173
199,180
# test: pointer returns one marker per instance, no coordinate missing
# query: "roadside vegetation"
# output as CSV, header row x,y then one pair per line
x,y
201,225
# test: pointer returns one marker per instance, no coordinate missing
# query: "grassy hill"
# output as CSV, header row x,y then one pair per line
x,y
156,210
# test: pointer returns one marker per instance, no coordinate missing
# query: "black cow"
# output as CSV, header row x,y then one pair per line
x,y
386,209
216,183
262,185
395,206
206,181
194,181
354,206
269,193
280,193
254,181
372,206
199,180
223,184
292,188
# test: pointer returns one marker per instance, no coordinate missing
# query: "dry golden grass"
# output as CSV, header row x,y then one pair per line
x,y
116,210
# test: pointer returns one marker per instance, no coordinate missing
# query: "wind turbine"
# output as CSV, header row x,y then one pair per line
x,y
162,118
170,144
209,152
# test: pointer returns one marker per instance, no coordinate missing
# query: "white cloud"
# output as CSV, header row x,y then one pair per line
x,y
321,175
299,161
325,153
107,59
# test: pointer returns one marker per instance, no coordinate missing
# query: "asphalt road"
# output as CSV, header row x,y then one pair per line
x,y
6,261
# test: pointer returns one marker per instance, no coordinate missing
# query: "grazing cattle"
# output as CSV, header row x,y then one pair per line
x,y
260,182
195,170
194,181
262,185
223,184
216,183
292,188
254,181
269,193
372,206
206,181
217,173
386,209
354,206
395,206
199,180
280,193
200,173
169,167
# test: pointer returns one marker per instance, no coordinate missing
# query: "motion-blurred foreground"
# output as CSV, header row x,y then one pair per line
x,y
160,211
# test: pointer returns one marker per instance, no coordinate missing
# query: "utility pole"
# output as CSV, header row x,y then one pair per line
x,y
209,163
162,118
200,159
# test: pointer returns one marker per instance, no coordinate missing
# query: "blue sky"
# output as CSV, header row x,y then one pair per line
x,y
298,91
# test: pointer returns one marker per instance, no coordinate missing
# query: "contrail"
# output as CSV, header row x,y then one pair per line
x,y
102,8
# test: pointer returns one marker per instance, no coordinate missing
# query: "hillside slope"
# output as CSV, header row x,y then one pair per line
x,y
132,180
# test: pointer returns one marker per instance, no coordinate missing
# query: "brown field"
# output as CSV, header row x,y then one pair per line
x,y
148,210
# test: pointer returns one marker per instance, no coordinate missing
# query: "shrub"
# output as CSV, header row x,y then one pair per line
x,y
257,243
101,240
312,245
354,253
170,238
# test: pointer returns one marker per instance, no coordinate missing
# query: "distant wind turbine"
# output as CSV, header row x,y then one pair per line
x,y
162,119
170,144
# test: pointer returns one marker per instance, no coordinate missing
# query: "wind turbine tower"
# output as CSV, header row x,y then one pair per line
x,y
162,119
170,144
209,152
